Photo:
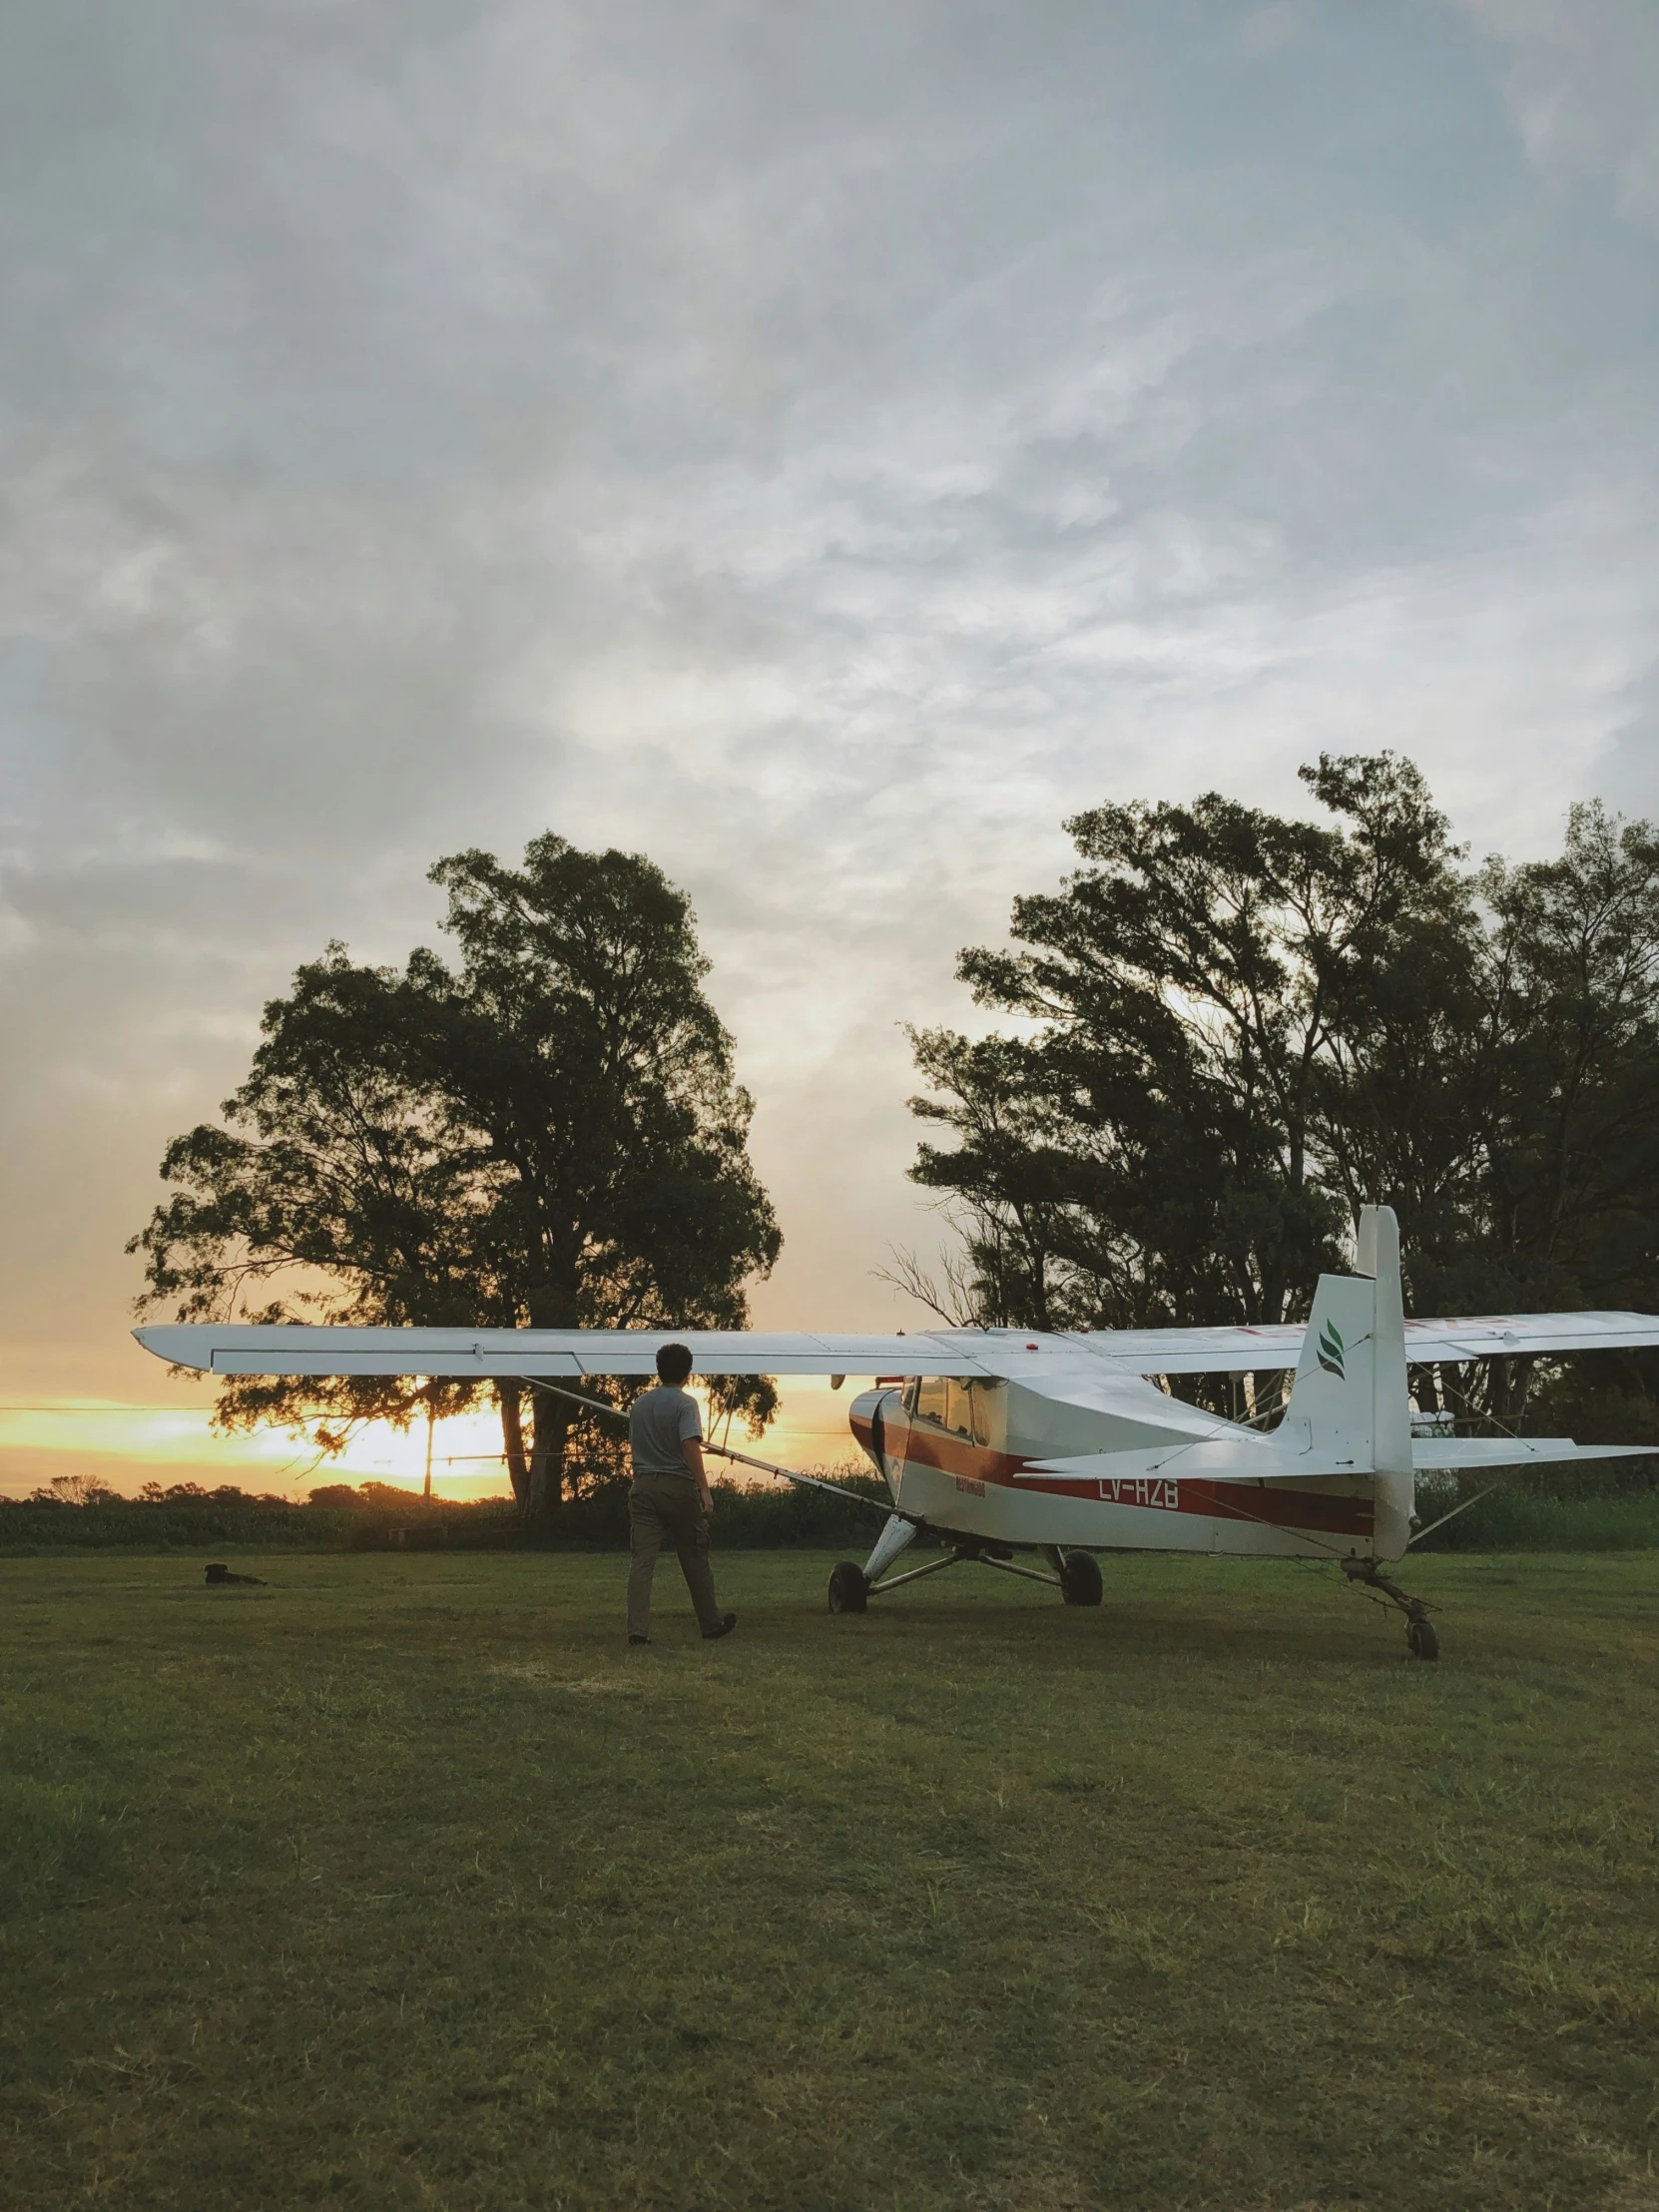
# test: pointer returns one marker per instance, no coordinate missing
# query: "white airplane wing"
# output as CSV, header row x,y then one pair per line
x,y
571,1352
1483,1337
228,1348
1506,1336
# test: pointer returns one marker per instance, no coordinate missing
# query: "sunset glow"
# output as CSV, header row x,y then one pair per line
x,y
126,1445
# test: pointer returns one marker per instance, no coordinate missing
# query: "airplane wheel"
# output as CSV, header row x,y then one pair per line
x,y
1421,1640
848,1591
1080,1582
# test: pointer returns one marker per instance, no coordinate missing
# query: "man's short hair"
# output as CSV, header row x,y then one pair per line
x,y
674,1363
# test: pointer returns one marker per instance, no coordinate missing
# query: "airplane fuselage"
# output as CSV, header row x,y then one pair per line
x,y
1100,1462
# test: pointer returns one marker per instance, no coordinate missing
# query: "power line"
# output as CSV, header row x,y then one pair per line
x,y
79,1412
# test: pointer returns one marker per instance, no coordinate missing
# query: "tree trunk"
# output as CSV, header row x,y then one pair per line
x,y
550,1425
1512,1379
512,1436
1456,1394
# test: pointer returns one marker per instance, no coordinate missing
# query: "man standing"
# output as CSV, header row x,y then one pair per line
x,y
669,1498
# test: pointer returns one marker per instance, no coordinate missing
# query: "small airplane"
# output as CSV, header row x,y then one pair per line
x,y
1057,1444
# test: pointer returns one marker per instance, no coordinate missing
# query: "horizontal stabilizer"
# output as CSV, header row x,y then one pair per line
x,y
1447,1455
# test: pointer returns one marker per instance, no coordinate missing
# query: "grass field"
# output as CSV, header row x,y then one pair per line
x,y
403,1882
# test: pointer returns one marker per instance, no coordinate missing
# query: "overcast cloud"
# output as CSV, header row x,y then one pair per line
x,y
819,446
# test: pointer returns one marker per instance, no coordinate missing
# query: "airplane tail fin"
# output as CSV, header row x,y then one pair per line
x,y
1350,1412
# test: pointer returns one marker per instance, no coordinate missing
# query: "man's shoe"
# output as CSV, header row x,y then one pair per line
x,y
639,1639
727,1621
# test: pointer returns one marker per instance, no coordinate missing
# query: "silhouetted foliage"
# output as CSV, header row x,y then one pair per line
x,y
548,1134
378,1516
1243,1026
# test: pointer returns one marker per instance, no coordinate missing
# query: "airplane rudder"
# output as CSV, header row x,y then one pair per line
x,y
1331,1398
1336,1348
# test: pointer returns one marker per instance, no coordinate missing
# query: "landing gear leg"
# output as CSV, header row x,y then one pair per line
x,y
1420,1639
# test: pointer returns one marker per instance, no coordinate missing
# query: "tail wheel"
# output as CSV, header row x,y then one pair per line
x,y
1421,1640
1080,1582
848,1591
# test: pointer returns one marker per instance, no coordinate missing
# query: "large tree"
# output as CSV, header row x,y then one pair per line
x,y
1239,1026
547,1133
1150,1151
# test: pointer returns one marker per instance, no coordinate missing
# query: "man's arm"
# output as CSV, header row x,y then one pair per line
x,y
692,1450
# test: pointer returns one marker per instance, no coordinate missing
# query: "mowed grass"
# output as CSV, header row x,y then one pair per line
x,y
403,1882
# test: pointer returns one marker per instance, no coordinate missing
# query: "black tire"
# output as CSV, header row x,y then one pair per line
x,y
1421,1640
1080,1582
848,1591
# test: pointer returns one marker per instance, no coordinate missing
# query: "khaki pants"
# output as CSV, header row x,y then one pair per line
x,y
666,1507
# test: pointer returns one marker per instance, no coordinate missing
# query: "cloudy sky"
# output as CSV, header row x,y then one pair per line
x,y
818,445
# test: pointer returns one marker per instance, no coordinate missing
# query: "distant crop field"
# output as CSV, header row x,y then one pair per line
x,y
401,1881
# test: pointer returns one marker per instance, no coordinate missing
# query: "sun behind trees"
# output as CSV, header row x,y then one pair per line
x,y
549,1135
1246,1025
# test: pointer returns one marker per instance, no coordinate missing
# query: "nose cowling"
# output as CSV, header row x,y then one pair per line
x,y
872,1417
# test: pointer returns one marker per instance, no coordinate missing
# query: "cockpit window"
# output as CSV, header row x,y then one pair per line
x,y
964,1404
959,1407
931,1397
984,1398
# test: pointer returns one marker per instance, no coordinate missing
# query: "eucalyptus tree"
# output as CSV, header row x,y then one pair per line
x,y
1151,1150
1238,1027
546,1132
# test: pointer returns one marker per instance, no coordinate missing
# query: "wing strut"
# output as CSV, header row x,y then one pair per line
x,y
723,1451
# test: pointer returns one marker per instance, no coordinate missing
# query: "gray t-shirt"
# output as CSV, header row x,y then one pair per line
x,y
659,1422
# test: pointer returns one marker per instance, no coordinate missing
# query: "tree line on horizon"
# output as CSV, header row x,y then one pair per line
x,y
1234,1028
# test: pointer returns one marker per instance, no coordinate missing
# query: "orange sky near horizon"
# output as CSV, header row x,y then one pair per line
x,y
126,1445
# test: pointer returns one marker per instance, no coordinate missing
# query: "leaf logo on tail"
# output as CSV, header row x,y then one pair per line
x,y
1332,1352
